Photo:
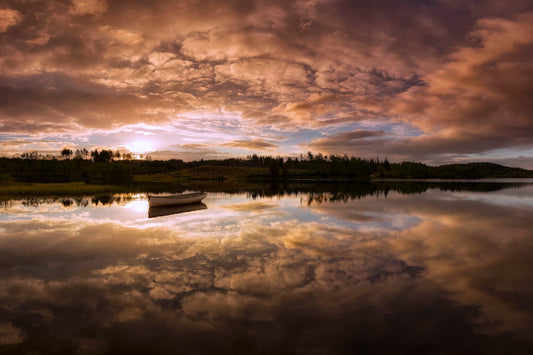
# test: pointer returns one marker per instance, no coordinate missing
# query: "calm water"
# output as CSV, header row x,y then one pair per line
x,y
405,268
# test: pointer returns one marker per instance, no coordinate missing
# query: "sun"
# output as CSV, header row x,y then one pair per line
x,y
141,146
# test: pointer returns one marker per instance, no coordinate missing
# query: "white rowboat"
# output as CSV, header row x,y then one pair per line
x,y
179,199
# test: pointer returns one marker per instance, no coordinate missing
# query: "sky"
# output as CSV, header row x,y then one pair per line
x,y
434,81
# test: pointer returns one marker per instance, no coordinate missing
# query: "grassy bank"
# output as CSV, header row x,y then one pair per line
x,y
203,173
71,188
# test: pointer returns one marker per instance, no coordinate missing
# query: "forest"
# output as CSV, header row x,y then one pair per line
x,y
108,167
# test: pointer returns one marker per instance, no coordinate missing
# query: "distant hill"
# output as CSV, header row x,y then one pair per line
x,y
478,171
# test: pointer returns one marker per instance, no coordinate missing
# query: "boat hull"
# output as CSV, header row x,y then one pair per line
x,y
173,200
161,211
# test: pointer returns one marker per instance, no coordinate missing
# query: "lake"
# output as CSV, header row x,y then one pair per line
x,y
382,267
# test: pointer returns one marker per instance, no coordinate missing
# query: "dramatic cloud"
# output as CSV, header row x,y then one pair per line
x,y
92,7
254,144
455,76
8,18
482,93
188,152
343,140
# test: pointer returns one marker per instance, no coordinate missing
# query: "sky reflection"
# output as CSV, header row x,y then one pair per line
x,y
410,273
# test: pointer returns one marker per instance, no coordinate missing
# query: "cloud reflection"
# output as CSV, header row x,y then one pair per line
x,y
278,282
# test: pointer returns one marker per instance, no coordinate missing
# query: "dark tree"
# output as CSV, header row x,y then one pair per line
x,y
81,153
66,153
105,156
274,169
30,156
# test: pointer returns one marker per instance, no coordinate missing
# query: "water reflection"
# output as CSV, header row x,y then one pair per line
x,y
169,210
79,201
316,192
441,271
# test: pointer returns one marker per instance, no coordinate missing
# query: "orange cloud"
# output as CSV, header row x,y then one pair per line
x,y
345,141
457,72
482,93
253,144
91,7
189,152
8,18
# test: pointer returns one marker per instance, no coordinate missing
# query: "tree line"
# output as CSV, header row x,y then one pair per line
x,y
106,166
104,155
317,166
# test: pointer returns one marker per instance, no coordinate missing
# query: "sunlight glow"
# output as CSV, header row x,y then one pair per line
x,y
140,206
141,146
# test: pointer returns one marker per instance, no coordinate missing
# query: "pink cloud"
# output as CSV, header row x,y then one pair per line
x,y
252,144
8,18
458,73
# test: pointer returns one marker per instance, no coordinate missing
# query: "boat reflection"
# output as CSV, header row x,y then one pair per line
x,y
168,210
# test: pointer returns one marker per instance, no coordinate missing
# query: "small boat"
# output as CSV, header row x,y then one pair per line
x,y
168,210
179,199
